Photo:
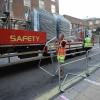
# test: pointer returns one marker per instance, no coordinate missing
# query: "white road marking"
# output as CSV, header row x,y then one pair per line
x,y
63,97
92,82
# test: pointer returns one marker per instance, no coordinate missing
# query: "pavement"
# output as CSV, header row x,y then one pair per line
x,y
86,89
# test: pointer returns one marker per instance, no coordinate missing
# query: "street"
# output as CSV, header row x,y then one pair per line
x,y
47,47
26,81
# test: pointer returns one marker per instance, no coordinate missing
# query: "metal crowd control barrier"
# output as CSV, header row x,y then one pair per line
x,y
86,58
9,55
86,74
41,67
51,56
61,82
58,67
61,65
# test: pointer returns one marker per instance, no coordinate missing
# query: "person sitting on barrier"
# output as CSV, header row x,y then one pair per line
x,y
61,53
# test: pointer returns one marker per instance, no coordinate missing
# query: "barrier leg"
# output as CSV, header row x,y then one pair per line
x,y
52,61
61,83
59,69
87,71
41,67
8,59
99,40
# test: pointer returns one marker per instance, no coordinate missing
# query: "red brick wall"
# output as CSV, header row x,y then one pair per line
x,y
48,4
18,8
57,6
1,6
34,3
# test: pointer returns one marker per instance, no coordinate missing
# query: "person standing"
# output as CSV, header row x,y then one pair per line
x,y
61,53
87,43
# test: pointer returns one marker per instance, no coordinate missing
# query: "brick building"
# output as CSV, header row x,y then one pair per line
x,y
77,25
93,23
20,8
1,6
76,22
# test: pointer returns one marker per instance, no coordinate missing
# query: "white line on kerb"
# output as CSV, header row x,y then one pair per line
x,y
92,82
63,97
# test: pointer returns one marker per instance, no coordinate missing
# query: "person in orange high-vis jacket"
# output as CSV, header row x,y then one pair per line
x,y
61,53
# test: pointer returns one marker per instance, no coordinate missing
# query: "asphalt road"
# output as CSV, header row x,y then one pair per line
x,y
26,81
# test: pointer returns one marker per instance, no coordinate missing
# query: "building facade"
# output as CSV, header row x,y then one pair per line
x,y
20,8
77,24
2,6
93,23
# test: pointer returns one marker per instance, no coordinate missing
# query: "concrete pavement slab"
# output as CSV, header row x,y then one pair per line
x,y
87,89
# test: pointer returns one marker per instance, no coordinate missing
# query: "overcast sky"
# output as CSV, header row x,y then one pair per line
x,y
80,8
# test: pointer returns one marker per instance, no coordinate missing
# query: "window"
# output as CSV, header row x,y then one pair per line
x,y
53,0
27,5
11,10
90,23
97,22
71,26
53,9
11,1
26,11
41,4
